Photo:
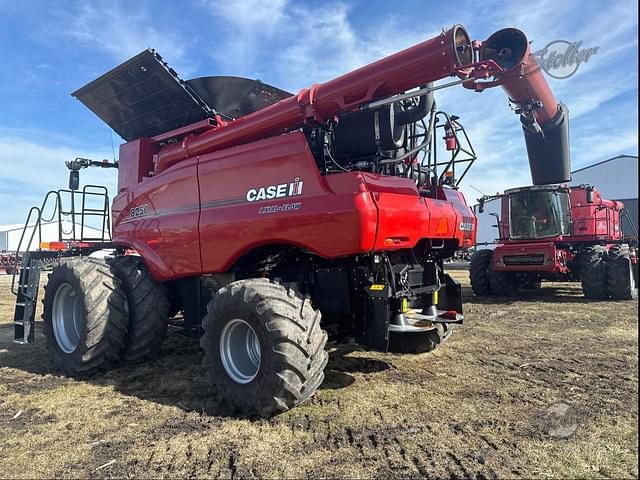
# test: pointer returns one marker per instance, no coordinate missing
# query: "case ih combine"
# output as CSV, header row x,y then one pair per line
x,y
274,209
558,233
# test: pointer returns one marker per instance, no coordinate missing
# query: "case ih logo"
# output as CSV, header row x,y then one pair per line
x,y
270,192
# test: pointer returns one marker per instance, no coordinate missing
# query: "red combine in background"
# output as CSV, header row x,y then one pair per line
x,y
558,233
9,262
271,219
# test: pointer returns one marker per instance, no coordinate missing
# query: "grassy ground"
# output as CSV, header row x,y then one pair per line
x,y
542,387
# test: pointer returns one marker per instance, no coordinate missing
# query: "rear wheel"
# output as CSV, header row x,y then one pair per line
x,y
621,284
264,347
592,272
85,317
148,309
479,272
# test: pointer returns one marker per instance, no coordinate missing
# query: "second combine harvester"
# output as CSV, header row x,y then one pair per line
x,y
279,208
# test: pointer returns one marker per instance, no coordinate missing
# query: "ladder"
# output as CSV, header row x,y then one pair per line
x,y
27,294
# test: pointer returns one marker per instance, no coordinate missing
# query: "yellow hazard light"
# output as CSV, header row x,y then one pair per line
x,y
376,287
53,245
405,305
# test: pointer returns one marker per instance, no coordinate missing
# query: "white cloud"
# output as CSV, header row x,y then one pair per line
x,y
28,170
245,24
301,43
252,15
123,31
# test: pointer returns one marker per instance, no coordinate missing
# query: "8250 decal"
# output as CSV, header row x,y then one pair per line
x,y
139,211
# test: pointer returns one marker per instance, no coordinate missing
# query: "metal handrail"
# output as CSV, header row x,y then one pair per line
x,y
58,208
627,215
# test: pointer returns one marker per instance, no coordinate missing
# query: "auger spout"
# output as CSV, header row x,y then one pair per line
x,y
545,122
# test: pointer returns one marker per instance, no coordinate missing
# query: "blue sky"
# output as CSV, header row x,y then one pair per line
x,y
49,49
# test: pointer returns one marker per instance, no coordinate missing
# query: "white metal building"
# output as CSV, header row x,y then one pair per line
x,y
488,223
10,234
616,178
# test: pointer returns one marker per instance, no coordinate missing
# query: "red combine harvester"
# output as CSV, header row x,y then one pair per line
x,y
8,262
261,211
558,233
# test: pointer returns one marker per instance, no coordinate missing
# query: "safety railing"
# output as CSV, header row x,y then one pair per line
x,y
60,214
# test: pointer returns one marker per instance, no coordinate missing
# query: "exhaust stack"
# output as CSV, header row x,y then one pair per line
x,y
545,123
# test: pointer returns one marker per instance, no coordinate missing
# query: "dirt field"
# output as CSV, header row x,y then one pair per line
x,y
544,387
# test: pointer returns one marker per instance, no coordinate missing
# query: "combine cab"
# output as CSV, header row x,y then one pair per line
x,y
270,220
558,233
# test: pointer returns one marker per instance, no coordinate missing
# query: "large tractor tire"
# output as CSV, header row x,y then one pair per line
x,y
621,284
479,272
591,262
420,342
85,317
263,346
148,309
505,284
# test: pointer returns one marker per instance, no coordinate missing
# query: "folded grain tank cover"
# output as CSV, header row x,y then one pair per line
x,y
235,97
143,97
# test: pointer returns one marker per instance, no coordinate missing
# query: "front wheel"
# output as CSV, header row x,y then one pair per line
x,y
263,346
479,272
148,308
85,317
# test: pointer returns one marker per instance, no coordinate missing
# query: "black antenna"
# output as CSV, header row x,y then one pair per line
x,y
113,150
478,190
